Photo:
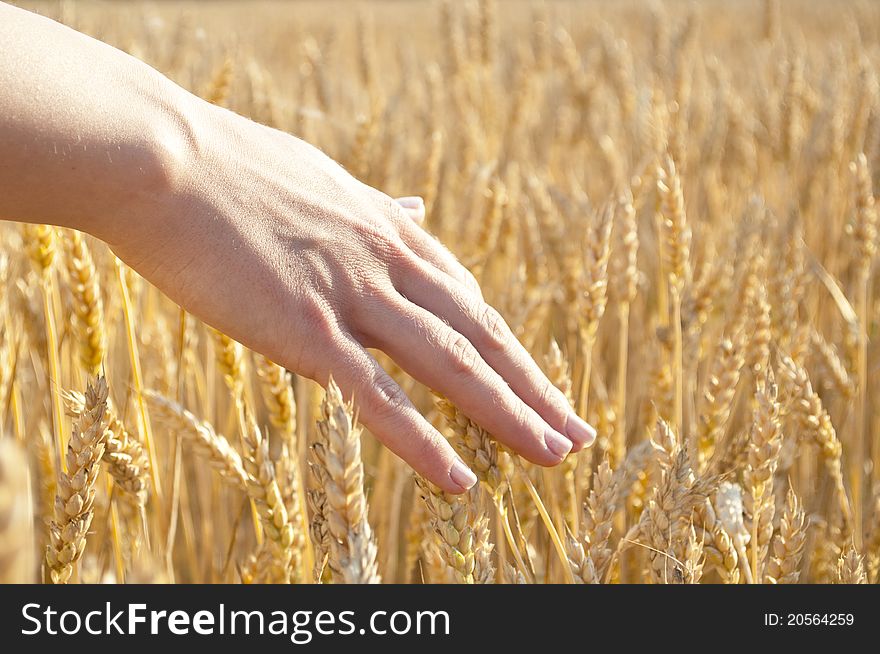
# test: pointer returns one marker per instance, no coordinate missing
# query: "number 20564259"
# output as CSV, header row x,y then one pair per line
x,y
809,619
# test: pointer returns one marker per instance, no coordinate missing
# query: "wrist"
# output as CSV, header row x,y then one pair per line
x,y
145,196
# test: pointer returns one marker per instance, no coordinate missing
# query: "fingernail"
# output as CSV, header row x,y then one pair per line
x,y
579,431
412,202
461,475
557,443
415,215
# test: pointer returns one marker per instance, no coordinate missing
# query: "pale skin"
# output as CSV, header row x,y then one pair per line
x,y
264,237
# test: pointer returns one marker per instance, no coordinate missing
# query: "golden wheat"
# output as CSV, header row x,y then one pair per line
x,y
674,211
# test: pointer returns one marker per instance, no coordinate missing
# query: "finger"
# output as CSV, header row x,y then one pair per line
x,y
484,327
431,250
440,357
414,207
389,414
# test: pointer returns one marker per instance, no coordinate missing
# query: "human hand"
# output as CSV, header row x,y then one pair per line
x,y
264,237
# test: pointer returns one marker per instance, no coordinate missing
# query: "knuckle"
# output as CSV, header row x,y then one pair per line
x,y
389,218
379,234
402,260
552,397
318,319
389,248
391,209
386,399
369,288
493,329
374,287
461,354
316,328
418,271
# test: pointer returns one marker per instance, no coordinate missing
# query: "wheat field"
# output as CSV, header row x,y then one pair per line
x,y
671,203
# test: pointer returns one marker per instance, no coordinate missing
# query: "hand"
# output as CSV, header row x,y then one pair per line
x,y
262,236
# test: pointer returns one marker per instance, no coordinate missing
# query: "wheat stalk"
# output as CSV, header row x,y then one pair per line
x,y
872,540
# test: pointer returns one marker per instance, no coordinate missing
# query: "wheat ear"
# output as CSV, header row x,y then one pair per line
x,y
665,524
474,444
217,90
850,567
599,518
453,529
718,397
75,493
559,374
230,359
263,489
765,441
40,241
88,306
720,551
788,543
125,458
807,407
675,262
579,560
206,442
275,383
352,549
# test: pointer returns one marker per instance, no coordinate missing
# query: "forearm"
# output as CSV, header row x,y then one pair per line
x,y
89,136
